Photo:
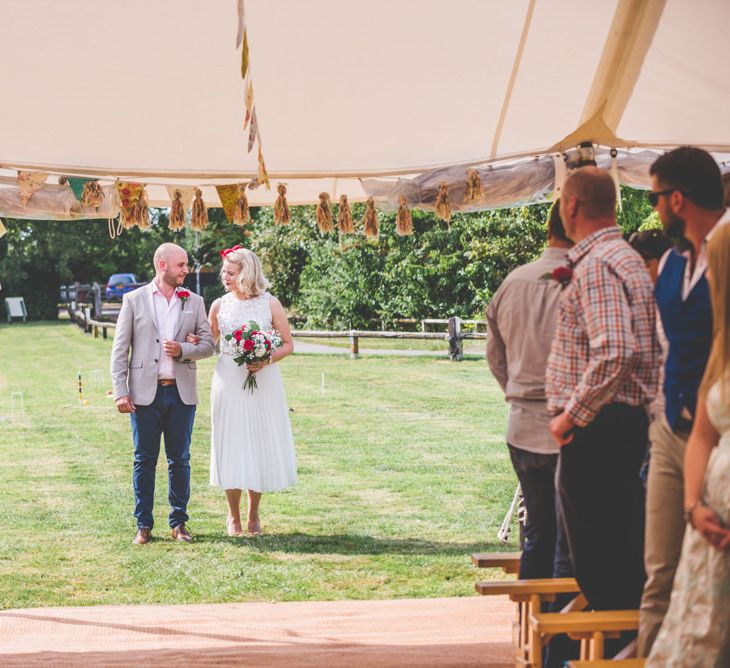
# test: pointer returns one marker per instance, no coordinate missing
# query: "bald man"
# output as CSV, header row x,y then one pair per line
x,y
602,373
154,376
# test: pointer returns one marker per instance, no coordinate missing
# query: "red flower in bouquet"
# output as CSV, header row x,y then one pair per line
x,y
252,345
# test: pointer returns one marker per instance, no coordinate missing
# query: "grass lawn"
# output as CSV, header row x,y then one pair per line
x,y
402,464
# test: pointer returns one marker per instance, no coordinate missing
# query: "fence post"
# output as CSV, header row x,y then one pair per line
x,y
456,344
354,345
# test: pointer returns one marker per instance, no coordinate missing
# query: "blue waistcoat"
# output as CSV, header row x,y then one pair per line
x,y
688,328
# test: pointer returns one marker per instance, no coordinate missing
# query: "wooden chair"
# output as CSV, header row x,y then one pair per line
x,y
529,596
509,562
591,628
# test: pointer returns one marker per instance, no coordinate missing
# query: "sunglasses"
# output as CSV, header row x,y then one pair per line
x,y
654,195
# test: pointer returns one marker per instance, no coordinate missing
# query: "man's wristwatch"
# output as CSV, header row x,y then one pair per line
x,y
690,509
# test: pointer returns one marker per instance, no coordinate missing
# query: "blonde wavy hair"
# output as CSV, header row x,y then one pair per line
x,y
718,264
251,280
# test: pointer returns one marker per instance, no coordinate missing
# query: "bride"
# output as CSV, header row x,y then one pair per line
x,y
251,439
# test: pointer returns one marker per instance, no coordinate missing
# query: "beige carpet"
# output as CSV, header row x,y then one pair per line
x,y
461,632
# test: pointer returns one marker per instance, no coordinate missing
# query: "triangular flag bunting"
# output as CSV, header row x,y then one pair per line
x,y
244,55
77,185
253,132
263,176
249,104
129,194
187,194
2,229
228,195
29,182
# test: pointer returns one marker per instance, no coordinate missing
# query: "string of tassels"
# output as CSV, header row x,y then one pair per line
x,y
370,223
241,213
199,219
443,207
344,216
403,219
142,212
282,215
323,214
473,191
177,213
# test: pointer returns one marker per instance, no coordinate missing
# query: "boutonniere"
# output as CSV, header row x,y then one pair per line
x,y
562,275
183,296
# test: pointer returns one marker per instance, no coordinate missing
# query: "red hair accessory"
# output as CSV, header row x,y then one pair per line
x,y
225,251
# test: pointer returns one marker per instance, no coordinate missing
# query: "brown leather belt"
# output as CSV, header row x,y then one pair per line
x,y
165,381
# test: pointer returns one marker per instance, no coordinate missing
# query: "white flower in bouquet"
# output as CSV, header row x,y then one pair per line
x,y
260,350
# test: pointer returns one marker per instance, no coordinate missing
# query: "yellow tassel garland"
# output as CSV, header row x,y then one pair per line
x,y
344,216
282,216
403,219
93,195
473,192
199,220
177,213
241,214
324,214
370,223
443,208
142,212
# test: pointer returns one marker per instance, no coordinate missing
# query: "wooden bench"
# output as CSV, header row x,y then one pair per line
x,y
608,663
591,628
509,562
529,596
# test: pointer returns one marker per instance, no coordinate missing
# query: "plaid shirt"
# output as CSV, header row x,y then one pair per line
x,y
605,348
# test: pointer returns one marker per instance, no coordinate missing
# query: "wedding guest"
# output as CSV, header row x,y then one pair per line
x,y
154,375
651,245
687,195
696,628
521,323
251,439
601,375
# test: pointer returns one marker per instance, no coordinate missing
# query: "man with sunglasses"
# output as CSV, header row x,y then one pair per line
x,y
686,191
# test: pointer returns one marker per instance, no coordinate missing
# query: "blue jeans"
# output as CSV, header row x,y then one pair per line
x,y
167,415
545,551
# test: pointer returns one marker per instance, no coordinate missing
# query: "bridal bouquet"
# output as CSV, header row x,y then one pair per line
x,y
252,344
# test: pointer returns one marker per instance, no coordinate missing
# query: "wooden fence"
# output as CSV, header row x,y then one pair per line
x,y
454,336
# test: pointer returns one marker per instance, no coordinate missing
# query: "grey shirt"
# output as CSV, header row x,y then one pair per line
x,y
521,321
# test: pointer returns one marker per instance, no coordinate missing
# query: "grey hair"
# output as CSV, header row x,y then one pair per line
x,y
251,280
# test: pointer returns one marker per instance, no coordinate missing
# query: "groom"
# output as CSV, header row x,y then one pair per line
x,y
156,384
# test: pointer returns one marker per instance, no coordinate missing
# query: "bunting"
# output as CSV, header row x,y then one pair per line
x,y
129,194
2,229
186,196
30,182
250,121
77,185
228,195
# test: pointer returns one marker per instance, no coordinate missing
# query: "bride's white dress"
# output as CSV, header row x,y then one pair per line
x,y
251,439
696,629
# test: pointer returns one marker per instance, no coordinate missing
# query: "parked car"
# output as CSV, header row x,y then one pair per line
x,y
120,284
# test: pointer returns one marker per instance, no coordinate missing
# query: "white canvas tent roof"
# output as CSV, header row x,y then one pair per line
x,y
348,90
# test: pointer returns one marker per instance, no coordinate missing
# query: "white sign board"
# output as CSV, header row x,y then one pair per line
x,y
15,308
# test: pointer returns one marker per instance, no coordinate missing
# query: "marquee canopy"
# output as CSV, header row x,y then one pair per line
x,y
355,97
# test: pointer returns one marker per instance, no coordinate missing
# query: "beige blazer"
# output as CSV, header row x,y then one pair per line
x,y
136,348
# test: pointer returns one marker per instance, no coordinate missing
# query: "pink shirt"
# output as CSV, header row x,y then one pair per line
x,y
167,314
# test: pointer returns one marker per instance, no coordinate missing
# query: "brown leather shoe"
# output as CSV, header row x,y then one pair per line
x,y
181,534
144,536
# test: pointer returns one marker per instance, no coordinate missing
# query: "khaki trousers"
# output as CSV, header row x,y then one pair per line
x,y
664,527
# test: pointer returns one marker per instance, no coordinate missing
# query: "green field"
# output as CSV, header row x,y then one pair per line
x,y
403,473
